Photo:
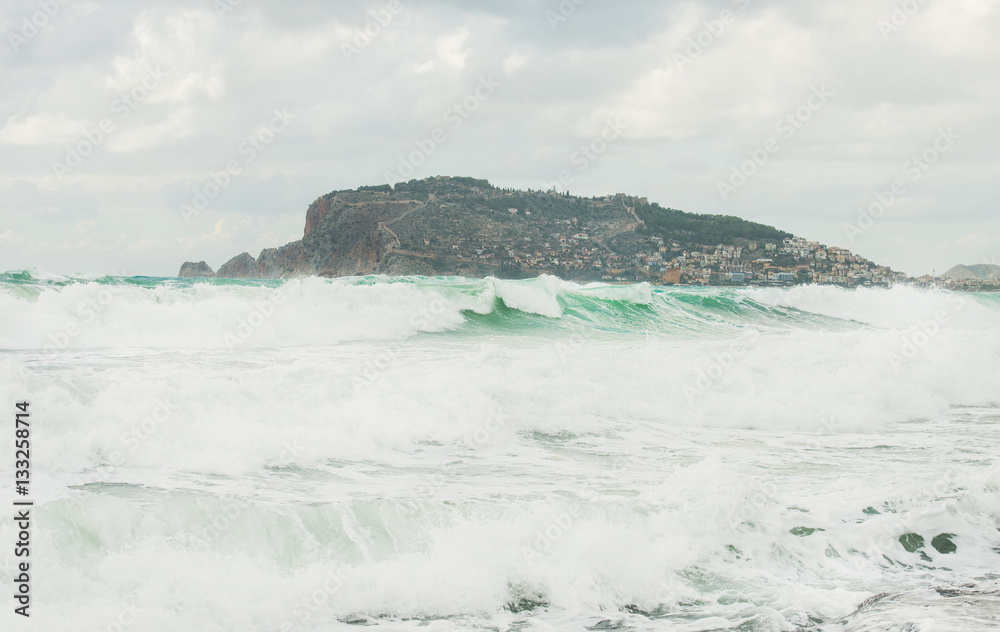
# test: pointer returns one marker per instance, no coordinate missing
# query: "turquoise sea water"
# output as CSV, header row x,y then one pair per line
x,y
478,454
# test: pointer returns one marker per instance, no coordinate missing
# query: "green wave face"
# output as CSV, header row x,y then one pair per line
x,y
491,306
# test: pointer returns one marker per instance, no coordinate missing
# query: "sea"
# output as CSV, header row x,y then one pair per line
x,y
451,454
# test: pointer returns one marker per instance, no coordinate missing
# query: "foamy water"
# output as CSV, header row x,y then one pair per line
x,y
460,454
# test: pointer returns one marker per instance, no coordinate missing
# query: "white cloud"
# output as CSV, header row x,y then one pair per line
x,y
975,241
145,137
686,126
450,48
514,62
42,129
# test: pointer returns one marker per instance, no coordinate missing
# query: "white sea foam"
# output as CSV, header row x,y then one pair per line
x,y
410,453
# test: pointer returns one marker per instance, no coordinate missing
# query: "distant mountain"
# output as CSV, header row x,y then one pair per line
x,y
981,272
446,226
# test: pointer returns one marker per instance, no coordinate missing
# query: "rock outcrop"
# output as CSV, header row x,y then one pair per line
x,y
242,266
194,270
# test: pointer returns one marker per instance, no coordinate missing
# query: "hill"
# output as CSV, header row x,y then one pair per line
x,y
468,227
980,272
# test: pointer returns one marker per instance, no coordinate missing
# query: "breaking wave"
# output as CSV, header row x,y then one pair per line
x,y
486,454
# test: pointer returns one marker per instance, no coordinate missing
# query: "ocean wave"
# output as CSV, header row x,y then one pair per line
x,y
449,453
54,312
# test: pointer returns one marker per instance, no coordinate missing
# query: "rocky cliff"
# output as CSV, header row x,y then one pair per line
x,y
346,233
341,238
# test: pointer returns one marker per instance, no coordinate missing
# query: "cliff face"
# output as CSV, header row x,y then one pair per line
x,y
340,239
315,214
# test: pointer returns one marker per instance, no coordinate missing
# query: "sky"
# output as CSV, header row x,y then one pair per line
x,y
135,136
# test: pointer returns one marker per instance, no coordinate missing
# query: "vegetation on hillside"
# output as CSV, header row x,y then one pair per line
x,y
671,224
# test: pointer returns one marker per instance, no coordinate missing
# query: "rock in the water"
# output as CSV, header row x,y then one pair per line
x,y
942,543
242,266
912,542
193,270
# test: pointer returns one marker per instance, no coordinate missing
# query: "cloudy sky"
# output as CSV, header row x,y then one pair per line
x,y
115,117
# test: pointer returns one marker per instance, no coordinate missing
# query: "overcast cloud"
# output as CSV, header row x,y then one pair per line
x,y
838,96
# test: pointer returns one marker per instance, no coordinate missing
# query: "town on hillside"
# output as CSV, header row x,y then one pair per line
x,y
619,238
571,253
